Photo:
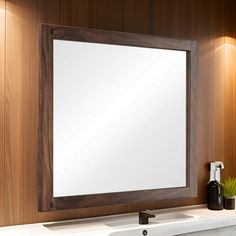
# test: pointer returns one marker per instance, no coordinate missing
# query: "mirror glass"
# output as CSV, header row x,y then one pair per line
x,y
119,118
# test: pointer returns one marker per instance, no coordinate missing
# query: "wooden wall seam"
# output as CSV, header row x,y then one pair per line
x,y
2,113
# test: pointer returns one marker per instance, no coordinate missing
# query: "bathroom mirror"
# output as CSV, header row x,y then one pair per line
x,y
117,118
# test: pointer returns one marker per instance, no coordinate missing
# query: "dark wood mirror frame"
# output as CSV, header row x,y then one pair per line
x,y
45,151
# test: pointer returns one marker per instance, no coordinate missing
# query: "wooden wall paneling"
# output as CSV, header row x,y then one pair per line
x,y
21,112
138,16
2,99
29,110
233,62
160,15
227,115
49,11
166,19
173,18
106,14
187,22
232,160
14,186
219,78
75,13
205,37
228,88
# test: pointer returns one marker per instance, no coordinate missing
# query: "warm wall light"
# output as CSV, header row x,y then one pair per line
x,y
226,46
2,5
229,63
225,43
230,52
229,49
2,8
225,59
2,16
229,41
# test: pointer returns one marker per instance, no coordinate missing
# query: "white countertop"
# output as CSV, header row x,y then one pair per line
x,y
126,224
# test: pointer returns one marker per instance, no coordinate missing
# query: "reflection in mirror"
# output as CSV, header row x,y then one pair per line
x,y
119,120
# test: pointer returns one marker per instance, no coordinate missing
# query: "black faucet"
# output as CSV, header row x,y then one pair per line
x,y
143,217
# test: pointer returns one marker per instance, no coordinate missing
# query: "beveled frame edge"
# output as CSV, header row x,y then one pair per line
x,y
46,200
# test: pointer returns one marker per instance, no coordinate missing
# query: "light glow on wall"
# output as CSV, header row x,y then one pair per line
x,y
230,53
226,50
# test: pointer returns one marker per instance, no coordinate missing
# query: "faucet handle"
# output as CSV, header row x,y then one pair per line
x,y
144,216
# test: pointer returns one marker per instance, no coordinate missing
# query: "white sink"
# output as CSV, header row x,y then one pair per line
x,y
130,226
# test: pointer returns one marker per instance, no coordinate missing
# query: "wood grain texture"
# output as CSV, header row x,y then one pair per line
x,y
187,21
2,100
106,14
138,16
49,11
230,89
206,21
30,101
205,36
14,204
20,113
75,13
219,80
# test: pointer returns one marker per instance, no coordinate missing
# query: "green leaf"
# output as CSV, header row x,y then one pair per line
x,y
229,187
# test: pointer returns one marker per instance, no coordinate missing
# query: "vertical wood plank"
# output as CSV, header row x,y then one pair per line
x,y
49,11
75,13
173,18
166,20
205,37
160,18
106,14
2,99
227,134
21,111
219,79
101,14
138,16
234,91
14,196
187,21
29,110
229,95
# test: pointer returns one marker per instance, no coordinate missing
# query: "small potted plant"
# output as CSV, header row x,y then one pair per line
x,y
229,191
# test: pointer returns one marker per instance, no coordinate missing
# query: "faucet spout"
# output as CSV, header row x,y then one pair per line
x,y
144,217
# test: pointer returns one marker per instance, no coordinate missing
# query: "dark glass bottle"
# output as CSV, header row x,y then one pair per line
x,y
214,195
